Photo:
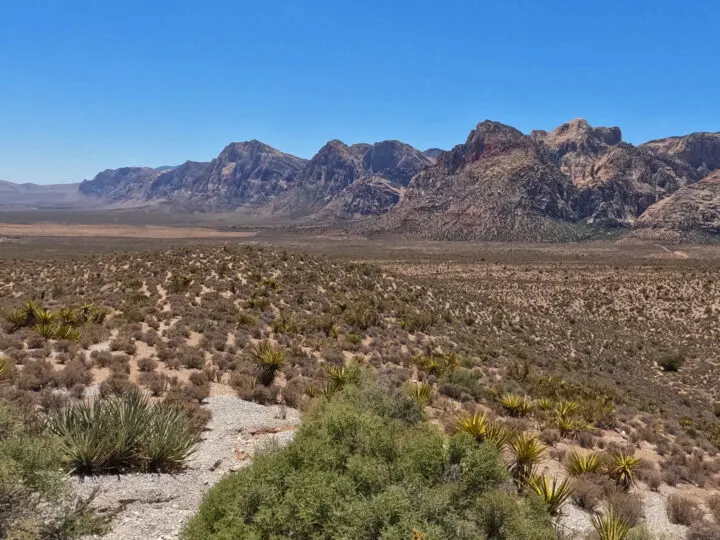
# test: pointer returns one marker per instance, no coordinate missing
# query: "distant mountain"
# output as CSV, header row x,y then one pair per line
x,y
498,185
501,184
432,154
504,185
40,196
120,185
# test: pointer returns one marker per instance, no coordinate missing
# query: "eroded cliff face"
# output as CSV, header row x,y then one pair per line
x,y
690,212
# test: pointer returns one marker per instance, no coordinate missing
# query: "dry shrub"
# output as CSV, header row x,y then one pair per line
x,y
588,491
147,364
682,511
704,531
629,506
713,503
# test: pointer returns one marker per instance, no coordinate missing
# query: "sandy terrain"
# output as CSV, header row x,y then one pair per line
x,y
116,231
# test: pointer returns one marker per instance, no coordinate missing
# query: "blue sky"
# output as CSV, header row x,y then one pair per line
x,y
89,85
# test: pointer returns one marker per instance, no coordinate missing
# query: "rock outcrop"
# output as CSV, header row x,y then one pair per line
x,y
380,170
701,151
691,213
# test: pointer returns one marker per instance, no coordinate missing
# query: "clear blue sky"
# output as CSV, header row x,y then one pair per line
x,y
89,85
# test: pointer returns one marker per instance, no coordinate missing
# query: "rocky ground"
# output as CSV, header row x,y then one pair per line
x,y
156,506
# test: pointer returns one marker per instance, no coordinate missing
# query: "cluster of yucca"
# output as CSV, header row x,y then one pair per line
x,y
482,429
62,324
515,405
119,434
336,377
619,466
437,363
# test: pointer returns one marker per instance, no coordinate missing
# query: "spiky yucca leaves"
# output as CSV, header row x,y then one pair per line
x,y
5,367
323,391
123,433
552,494
564,418
483,429
544,404
270,358
526,453
610,526
583,463
418,391
44,317
337,376
515,405
621,468
16,317
168,440
474,425
67,333
46,330
68,317
286,323
437,363
566,408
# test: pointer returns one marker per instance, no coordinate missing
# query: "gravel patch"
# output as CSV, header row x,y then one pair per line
x,y
157,506
575,523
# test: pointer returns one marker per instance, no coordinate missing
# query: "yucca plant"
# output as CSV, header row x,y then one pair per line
x,y
46,330
566,408
483,429
67,333
429,364
286,324
123,433
526,452
553,494
17,318
337,376
270,358
31,308
515,405
419,392
621,468
498,434
313,391
544,404
610,526
567,425
474,425
68,317
168,440
583,463
44,317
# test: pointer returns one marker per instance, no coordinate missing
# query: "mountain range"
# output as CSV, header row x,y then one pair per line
x,y
501,184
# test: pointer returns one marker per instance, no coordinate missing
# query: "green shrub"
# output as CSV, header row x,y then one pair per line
x,y
365,465
33,491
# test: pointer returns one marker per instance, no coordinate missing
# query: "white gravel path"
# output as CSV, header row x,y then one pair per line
x,y
156,506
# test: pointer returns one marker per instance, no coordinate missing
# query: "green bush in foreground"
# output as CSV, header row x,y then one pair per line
x,y
35,502
121,433
364,465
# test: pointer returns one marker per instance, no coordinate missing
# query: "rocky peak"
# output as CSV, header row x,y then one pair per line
x,y
578,136
488,139
394,160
